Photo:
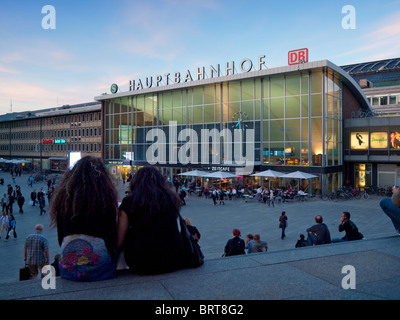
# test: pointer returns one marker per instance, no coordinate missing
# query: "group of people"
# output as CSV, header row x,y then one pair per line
x,y
237,246
317,234
93,231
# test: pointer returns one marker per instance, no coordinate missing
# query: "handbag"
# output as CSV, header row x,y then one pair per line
x,y
193,255
24,274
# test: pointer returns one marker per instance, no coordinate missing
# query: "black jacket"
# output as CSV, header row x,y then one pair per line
x,y
351,230
234,246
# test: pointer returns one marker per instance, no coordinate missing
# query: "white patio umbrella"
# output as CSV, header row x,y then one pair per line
x,y
299,175
221,175
268,174
194,173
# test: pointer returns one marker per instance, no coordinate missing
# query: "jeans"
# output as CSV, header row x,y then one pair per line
x,y
283,232
391,211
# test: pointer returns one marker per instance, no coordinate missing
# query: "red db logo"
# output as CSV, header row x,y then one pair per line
x,y
298,56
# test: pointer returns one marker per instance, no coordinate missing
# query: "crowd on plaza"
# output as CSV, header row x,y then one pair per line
x,y
97,236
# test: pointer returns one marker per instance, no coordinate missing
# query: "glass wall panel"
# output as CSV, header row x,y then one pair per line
x,y
234,109
277,130
292,85
277,108
316,129
176,98
166,116
265,131
266,108
304,83
316,153
247,90
292,154
266,153
257,110
177,115
198,114
292,130
248,109
209,94
277,86
257,88
304,154
209,113
316,82
316,105
198,95
277,153
265,88
218,113
292,107
304,129
304,106
234,91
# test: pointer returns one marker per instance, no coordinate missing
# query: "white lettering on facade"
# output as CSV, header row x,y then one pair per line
x,y
246,65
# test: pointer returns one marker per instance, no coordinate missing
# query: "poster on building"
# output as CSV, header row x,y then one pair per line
x,y
395,140
359,140
379,140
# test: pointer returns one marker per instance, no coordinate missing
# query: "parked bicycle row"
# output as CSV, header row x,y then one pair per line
x,y
348,193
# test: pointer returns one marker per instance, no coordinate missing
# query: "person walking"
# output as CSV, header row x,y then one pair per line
x,y
41,200
283,224
12,223
4,203
4,223
271,199
33,197
36,252
20,201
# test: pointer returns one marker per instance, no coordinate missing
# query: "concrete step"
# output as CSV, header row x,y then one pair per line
x,y
303,273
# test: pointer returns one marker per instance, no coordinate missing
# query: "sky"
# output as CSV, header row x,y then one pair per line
x,y
95,43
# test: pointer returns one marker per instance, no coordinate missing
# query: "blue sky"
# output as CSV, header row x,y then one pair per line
x,y
97,43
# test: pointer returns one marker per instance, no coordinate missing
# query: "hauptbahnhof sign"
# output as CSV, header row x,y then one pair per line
x,y
246,65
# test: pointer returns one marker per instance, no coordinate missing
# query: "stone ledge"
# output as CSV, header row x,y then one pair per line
x,y
303,273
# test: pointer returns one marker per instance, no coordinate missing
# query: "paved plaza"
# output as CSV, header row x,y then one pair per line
x,y
215,223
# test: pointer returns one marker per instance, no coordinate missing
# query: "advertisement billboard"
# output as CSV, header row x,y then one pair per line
x,y
359,140
379,140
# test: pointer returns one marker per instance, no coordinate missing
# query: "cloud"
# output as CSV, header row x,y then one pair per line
x,y
385,36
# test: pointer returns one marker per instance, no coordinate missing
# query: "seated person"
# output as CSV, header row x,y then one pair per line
x,y
258,245
234,246
349,227
318,233
301,242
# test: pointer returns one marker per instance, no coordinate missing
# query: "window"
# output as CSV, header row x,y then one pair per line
x,y
384,101
392,100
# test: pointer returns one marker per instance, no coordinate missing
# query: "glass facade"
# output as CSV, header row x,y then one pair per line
x,y
296,117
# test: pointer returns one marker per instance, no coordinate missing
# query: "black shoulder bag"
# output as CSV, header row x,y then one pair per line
x,y
193,255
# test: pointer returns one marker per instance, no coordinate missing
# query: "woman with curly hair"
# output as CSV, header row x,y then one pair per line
x,y
148,225
84,209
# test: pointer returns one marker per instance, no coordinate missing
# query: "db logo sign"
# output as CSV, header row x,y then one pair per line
x,y
298,56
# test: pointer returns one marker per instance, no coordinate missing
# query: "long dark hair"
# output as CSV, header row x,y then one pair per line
x,y
150,192
87,189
